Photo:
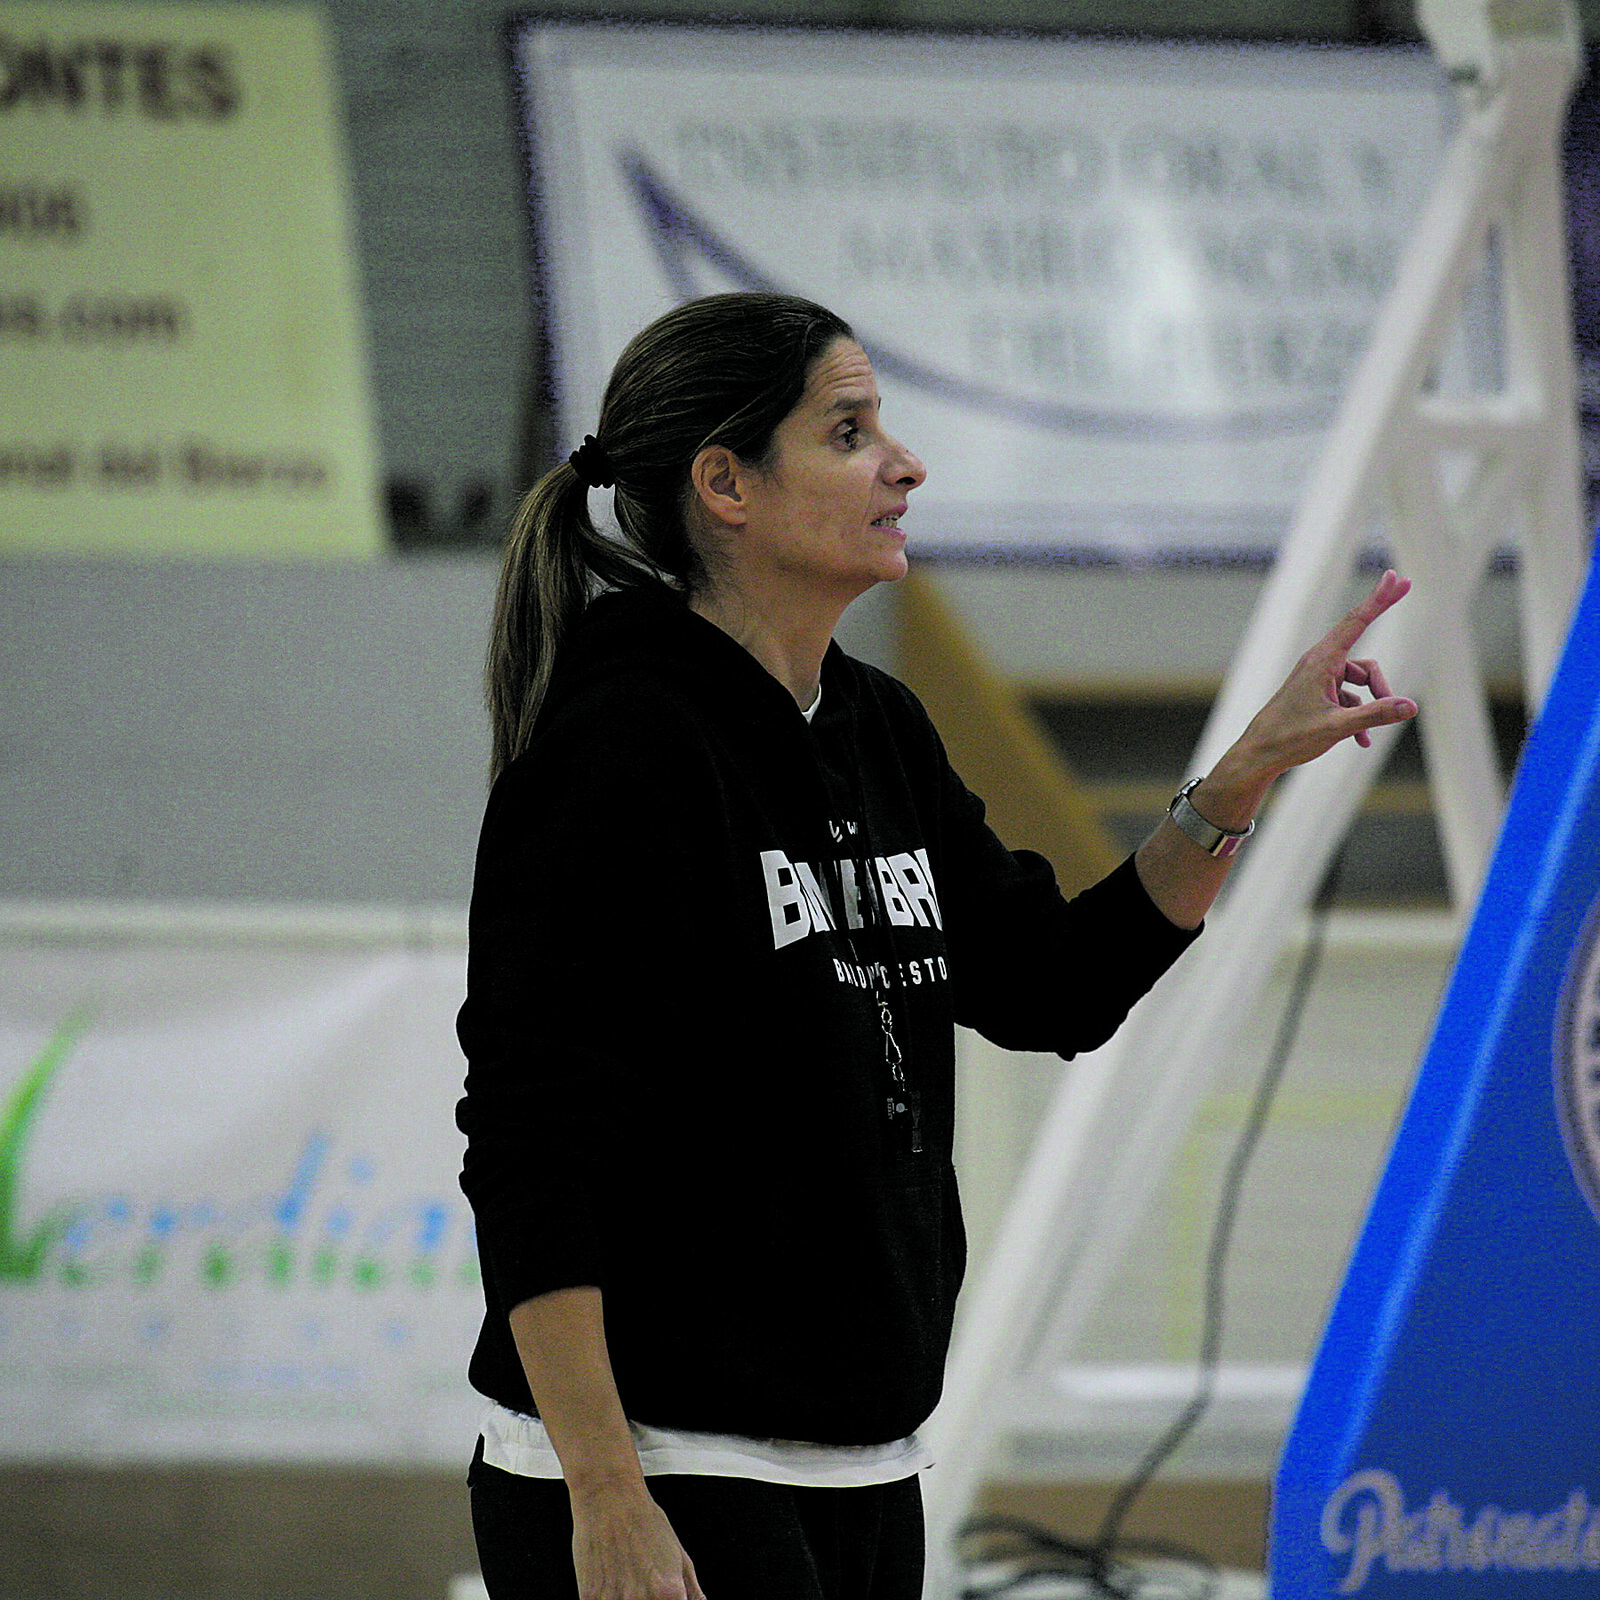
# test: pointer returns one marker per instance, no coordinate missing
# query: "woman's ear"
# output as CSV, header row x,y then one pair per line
x,y
717,478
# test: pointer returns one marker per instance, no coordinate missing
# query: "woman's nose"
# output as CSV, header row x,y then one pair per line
x,y
905,469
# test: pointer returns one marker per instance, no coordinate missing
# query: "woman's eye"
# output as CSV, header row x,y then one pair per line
x,y
849,435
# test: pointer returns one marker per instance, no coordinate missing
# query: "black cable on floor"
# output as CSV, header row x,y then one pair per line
x,y
1011,1556
1025,1553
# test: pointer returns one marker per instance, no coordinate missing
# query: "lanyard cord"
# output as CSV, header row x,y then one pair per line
x,y
902,1103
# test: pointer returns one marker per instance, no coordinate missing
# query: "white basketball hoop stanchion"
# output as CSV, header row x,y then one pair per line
x,y
1453,470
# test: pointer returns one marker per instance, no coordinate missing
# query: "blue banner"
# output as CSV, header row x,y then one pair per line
x,y
1448,1444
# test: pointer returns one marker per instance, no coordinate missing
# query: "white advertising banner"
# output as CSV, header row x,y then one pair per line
x,y
1112,292
230,1226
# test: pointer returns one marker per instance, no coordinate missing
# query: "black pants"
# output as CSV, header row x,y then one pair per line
x,y
747,1540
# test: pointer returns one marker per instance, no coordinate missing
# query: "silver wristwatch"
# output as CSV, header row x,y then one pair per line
x,y
1215,841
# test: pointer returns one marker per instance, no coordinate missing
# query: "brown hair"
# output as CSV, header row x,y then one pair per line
x,y
724,370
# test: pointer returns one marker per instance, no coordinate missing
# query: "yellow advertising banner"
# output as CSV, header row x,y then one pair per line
x,y
182,355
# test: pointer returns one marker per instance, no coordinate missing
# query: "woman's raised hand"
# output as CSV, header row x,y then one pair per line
x,y
1320,702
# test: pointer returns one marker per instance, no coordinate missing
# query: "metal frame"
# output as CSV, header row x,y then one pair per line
x,y
1453,470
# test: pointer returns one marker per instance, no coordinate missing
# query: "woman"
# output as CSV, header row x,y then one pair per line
x,y
730,901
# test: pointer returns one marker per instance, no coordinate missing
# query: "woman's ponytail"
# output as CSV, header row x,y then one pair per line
x,y
555,560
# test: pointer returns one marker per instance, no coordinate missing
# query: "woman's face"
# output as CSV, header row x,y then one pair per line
x,y
826,513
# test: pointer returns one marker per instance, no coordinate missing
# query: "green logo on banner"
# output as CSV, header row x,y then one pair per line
x,y
23,1258
333,1222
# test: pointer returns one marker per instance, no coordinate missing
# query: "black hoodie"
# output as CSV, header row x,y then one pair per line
x,y
688,906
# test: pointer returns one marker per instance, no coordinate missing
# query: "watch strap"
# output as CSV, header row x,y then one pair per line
x,y
1215,841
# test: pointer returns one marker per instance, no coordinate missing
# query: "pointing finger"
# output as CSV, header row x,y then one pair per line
x,y
1388,589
